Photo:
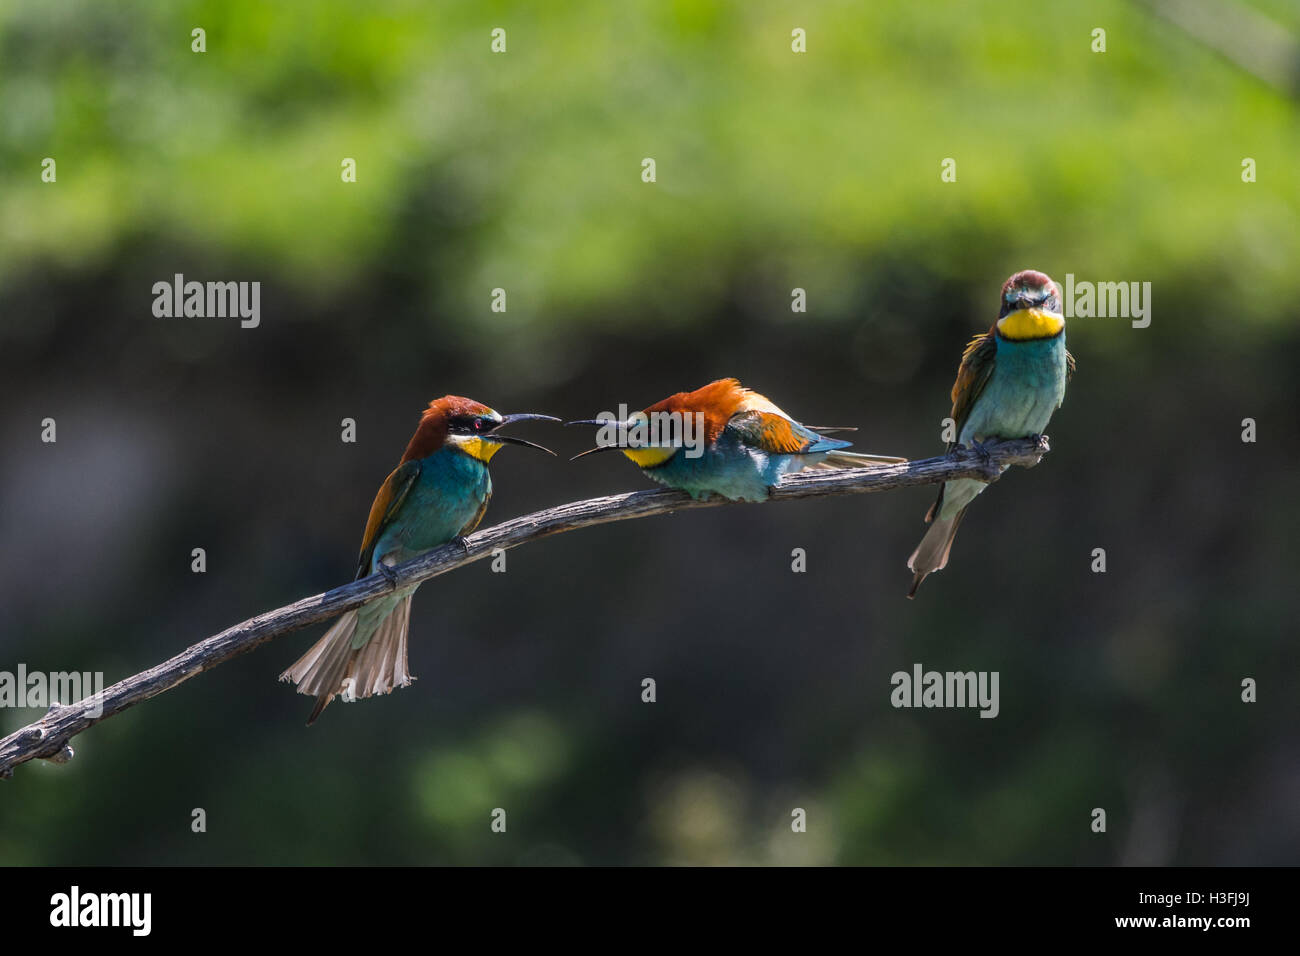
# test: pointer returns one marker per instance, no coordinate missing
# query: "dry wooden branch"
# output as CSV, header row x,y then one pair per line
x,y
48,737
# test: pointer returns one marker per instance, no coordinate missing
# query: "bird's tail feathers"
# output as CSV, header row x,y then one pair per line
x,y
333,666
932,553
855,459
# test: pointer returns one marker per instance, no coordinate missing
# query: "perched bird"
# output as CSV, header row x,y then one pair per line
x,y
437,494
724,439
1010,381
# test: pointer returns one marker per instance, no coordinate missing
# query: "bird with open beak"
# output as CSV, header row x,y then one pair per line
x,y
725,439
437,494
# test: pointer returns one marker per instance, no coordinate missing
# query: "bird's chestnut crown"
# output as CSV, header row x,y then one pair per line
x,y
1030,290
468,426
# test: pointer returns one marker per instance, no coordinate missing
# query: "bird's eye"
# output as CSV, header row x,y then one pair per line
x,y
479,425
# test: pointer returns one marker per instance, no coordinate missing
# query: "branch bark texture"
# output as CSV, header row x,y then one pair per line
x,y
49,737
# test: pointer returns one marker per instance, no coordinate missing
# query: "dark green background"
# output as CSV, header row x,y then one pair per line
x,y
522,171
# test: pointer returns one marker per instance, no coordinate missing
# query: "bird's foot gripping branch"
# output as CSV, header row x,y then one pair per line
x,y
49,737
1038,447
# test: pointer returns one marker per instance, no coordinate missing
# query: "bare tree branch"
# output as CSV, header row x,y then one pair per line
x,y
48,737
1244,36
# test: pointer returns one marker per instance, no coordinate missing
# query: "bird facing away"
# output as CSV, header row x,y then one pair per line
x,y
1011,379
731,442
437,494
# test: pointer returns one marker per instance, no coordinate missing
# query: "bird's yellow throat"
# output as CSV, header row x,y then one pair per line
x,y
481,448
1030,324
648,456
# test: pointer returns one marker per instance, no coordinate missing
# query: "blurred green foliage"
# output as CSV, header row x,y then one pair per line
x,y
522,169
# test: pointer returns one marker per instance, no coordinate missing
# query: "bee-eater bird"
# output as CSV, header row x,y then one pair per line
x,y
725,440
437,494
1011,379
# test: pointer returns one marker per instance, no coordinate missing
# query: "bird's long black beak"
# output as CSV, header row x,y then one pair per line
x,y
602,422
496,435
526,417
592,451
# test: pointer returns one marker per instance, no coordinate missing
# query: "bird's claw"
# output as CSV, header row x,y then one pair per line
x,y
389,575
461,542
64,754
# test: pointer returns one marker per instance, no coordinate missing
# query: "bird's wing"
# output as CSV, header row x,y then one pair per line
x,y
391,495
474,522
779,435
974,373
